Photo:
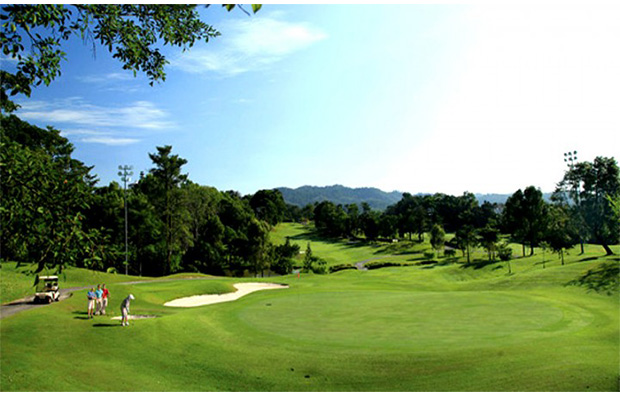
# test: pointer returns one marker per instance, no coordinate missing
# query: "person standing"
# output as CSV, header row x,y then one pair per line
x,y
125,310
91,302
99,296
105,296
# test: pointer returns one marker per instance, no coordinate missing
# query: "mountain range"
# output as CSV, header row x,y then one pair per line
x,y
376,198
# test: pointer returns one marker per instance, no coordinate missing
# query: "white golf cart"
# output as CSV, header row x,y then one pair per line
x,y
47,290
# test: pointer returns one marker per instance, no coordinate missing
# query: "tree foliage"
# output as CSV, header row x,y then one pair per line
x,y
35,35
525,217
593,187
45,193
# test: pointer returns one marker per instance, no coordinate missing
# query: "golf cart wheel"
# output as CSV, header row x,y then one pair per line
x,y
49,300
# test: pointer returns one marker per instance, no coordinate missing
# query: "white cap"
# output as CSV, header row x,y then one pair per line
x,y
131,297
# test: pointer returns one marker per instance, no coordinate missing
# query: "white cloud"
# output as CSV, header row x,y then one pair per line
x,y
248,44
105,78
74,111
105,137
88,123
110,140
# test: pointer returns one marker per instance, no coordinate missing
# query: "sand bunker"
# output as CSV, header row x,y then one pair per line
x,y
242,290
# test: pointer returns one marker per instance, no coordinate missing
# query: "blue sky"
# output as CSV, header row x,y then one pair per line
x,y
415,98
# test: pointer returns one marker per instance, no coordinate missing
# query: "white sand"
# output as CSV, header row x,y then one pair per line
x,y
242,290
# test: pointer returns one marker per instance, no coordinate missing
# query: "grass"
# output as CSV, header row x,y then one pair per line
x,y
337,252
16,281
444,327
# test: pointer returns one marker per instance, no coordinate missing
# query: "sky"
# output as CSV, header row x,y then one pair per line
x,y
415,98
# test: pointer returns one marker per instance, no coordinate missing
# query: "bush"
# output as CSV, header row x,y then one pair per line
x,y
378,265
429,254
344,266
319,269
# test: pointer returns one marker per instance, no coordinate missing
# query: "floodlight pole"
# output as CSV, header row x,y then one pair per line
x,y
570,158
125,173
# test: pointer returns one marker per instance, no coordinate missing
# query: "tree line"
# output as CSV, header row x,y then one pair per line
x,y
53,214
583,209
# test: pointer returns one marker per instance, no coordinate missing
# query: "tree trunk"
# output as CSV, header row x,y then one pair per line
x,y
608,250
582,250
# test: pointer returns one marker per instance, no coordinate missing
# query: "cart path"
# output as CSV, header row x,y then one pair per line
x,y
27,303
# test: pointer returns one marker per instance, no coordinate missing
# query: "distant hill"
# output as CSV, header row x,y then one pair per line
x,y
338,194
376,198
501,198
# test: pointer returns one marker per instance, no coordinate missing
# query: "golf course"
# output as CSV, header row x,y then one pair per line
x,y
444,326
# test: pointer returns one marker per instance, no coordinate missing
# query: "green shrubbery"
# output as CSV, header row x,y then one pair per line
x,y
344,266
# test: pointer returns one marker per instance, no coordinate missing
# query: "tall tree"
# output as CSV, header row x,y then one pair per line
x,y
525,217
164,189
488,238
269,206
593,186
465,239
45,194
205,227
561,234
438,238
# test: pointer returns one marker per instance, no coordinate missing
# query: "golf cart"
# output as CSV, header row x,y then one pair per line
x,y
47,290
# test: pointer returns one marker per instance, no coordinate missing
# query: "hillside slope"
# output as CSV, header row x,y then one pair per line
x,y
338,194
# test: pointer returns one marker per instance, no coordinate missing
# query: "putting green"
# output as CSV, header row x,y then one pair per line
x,y
412,321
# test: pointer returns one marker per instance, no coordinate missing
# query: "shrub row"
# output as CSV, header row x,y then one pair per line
x,y
378,265
344,266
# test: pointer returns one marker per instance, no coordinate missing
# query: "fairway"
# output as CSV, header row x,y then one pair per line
x,y
446,327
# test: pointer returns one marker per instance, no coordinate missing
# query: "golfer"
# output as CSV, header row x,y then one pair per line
x,y
91,302
104,299
125,310
99,296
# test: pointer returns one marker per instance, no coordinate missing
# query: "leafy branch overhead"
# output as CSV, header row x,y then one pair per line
x,y
34,35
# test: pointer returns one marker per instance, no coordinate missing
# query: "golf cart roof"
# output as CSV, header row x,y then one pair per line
x,y
48,278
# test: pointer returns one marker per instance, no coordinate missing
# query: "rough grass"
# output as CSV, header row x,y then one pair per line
x,y
443,327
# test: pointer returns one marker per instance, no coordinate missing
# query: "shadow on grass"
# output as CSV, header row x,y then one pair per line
x,y
80,315
106,325
477,264
602,279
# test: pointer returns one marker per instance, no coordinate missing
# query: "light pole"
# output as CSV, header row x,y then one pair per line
x,y
125,174
570,158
